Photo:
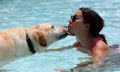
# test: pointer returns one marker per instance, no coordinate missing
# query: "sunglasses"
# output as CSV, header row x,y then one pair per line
x,y
73,18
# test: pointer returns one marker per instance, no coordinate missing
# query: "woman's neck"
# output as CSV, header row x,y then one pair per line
x,y
84,40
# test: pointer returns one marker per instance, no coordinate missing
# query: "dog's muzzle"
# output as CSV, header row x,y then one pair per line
x,y
63,36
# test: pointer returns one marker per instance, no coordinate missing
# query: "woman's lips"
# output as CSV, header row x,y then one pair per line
x,y
69,33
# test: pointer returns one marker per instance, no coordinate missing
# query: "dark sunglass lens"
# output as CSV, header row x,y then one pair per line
x,y
74,18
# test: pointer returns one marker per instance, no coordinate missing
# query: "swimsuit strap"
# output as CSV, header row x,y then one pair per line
x,y
100,38
91,42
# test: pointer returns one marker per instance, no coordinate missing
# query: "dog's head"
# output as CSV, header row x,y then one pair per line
x,y
45,34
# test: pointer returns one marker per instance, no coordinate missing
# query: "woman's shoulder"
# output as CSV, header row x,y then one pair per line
x,y
101,45
100,49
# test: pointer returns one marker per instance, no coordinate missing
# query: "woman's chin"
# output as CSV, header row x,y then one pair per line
x,y
71,34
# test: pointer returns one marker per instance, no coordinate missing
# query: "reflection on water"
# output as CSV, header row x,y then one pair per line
x,y
111,62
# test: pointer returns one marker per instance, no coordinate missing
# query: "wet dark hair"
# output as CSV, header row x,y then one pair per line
x,y
96,22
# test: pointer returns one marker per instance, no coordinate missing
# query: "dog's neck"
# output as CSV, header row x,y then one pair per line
x,y
30,45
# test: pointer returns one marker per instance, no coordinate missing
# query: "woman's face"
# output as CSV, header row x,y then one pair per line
x,y
76,24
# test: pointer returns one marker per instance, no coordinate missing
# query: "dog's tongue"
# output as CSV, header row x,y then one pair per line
x,y
71,34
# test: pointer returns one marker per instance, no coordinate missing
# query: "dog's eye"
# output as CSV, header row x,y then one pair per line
x,y
52,26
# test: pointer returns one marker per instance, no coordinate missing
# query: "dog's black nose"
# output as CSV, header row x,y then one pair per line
x,y
65,26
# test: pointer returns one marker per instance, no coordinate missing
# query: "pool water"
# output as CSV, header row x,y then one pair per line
x,y
25,13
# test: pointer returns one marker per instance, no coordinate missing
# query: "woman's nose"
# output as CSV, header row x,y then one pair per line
x,y
70,21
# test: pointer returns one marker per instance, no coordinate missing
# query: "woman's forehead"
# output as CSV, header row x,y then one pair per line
x,y
78,13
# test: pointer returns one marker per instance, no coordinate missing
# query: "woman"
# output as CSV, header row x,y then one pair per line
x,y
86,25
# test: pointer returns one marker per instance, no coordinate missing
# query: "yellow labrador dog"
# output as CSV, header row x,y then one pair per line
x,y
21,42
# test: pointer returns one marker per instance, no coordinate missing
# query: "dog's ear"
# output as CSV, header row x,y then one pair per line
x,y
40,39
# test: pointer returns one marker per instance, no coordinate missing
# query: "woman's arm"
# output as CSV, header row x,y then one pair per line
x,y
99,51
64,48
79,67
60,49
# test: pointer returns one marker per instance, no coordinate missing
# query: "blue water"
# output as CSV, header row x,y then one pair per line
x,y
16,13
